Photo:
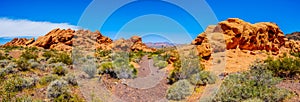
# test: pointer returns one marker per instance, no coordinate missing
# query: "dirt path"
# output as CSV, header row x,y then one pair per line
x,y
293,86
149,86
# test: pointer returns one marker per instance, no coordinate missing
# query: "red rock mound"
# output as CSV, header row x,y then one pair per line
x,y
239,34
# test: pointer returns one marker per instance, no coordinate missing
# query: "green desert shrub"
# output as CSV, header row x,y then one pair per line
x,y
103,53
65,58
125,71
136,56
49,54
296,54
24,99
286,67
106,67
9,69
253,100
71,79
58,89
4,56
60,70
29,54
203,78
184,69
4,63
256,83
179,90
90,69
33,64
23,64
121,68
60,57
161,64
17,84
48,78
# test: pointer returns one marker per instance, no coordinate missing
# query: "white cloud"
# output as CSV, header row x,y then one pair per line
x,y
14,28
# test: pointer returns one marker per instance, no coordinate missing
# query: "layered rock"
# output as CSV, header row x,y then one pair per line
x,y
238,34
138,45
20,42
92,40
59,39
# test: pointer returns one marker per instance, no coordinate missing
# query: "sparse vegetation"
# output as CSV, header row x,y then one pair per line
x,y
58,90
203,78
48,78
23,64
120,66
30,53
286,67
161,64
185,69
179,90
71,79
257,83
90,68
60,70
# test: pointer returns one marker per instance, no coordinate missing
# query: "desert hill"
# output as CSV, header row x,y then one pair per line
x,y
293,36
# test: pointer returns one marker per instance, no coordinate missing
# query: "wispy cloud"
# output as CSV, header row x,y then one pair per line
x,y
13,28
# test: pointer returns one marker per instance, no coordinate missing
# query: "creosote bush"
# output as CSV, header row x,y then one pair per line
x,y
179,90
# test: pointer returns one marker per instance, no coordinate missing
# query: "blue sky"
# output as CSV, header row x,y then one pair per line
x,y
67,13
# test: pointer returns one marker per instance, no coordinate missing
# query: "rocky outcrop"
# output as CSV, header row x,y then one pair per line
x,y
133,44
59,39
19,42
294,46
92,40
293,36
63,39
238,34
138,45
66,39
